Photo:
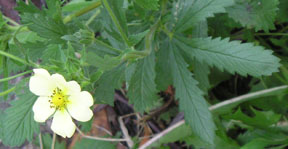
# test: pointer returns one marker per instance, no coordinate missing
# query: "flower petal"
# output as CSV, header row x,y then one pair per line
x,y
42,72
59,80
62,124
41,84
82,98
73,87
42,109
80,112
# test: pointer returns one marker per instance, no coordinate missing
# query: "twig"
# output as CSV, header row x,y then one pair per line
x,y
103,129
53,141
125,132
99,138
158,111
245,97
234,101
163,133
40,140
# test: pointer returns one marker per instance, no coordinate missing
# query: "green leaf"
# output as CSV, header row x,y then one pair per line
x,y
136,38
201,72
191,101
119,11
45,27
46,23
176,134
148,4
76,5
87,143
18,123
106,63
106,85
260,119
232,56
142,90
164,77
262,139
187,13
255,14
282,14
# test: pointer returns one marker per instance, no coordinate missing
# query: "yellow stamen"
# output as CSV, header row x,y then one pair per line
x,y
59,99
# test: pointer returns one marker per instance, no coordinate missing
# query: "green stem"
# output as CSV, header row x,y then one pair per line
x,y
92,17
150,37
7,91
271,34
81,12
17,59
107,46
10,20
116,22
15,76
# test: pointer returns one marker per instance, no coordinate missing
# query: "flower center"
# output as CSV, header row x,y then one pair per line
x,y
59,99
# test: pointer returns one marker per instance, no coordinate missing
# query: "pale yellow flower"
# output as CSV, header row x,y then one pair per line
x,y
61,98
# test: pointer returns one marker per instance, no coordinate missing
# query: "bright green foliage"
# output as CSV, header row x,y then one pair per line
x,y
186,13
255,14
18,121
142,88
261,119
86,143
148,4
190,97
231,56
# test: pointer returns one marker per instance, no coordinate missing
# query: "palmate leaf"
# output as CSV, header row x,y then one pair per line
x,y
46,23
45,27
142,90
191,101
187,13
261,119
18,122
251,13
230,55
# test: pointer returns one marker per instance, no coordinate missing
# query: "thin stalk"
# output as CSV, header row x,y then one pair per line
x,y
271,34
40,141
53,141
93,17
81,12
116,22
7,91
15,76
99,138
10,20
107,46
17,59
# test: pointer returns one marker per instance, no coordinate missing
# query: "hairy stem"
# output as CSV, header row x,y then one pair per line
x,y
15,76
17,59
116,22
81,12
